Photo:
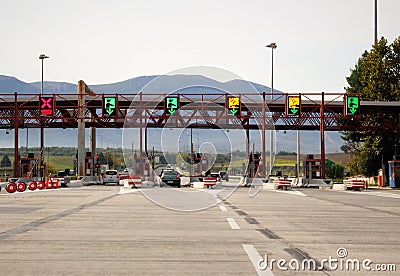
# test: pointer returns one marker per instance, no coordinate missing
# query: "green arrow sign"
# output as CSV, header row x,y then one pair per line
x,y
233,105
353,105
110,106
293,105
171,105
233,111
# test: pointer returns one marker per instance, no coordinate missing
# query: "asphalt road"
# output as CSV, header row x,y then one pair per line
x,y
109,230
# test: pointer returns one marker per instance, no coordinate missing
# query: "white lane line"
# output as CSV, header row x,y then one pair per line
x,y
223,208
127,191
388,195
293,192
381,194
233,223
255,258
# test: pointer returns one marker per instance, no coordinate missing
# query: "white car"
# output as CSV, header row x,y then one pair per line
x,y
111,176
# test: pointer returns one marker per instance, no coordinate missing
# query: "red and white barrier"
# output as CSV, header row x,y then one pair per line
x,y
354,184
11,187
32,186
21,186
41,185
209,182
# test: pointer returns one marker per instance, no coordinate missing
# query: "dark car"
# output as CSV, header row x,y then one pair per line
x,y
170,178
224,175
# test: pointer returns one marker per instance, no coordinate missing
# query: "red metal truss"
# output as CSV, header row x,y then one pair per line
x,y
199,110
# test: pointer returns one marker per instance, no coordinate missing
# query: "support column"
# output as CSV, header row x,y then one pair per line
x,y
141,136
263,157
322,131
16,155
92,148
81,128
298,154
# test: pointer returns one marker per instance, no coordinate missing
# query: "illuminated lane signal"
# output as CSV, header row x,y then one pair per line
x,y
353,105
171,105
46,105
293,106
233,104
110,106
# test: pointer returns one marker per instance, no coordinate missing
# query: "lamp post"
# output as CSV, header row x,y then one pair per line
x,y
42,57
376,21
271,138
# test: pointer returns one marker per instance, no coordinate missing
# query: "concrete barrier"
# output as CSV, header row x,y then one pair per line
x,y
198,185
75,183
338,187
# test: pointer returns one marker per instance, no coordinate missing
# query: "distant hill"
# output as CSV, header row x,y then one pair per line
x,y
9,85
148,84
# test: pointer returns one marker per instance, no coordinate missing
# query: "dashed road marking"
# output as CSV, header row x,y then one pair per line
x,y
293,192
223,208
255,258
233,223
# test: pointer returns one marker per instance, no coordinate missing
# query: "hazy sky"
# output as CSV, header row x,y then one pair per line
x,y
109,41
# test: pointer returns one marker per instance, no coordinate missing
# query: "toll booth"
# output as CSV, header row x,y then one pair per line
x,y
394,173
200,160
28,165
254,163
312,167
89,161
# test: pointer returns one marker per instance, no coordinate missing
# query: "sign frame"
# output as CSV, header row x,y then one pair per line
x,y
291,106
234,105
352,110
44,102
109,113
168,110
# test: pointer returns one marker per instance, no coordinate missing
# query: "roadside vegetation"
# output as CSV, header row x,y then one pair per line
x,y
375,77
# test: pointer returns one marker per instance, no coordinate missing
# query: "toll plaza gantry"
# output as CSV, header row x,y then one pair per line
x,y
301,111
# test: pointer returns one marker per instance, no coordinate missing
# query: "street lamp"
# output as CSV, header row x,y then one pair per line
x,y
271,138
376,21
42,57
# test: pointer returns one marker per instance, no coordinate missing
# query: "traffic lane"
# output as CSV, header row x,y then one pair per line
x,y
129,234
321,222
20,211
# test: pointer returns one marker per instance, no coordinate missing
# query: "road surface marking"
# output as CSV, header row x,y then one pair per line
x,y
233,223
293,192
381,194
123,190
223,208
255,257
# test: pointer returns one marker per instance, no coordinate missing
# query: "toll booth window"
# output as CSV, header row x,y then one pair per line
x,y
25,169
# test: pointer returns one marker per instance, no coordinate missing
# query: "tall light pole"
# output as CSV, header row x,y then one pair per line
x,y
376,21
42,57
271,138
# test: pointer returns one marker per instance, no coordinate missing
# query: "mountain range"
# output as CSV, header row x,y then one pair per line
x,y
151,84
146,84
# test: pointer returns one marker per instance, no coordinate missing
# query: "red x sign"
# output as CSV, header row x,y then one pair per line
x,y
46,105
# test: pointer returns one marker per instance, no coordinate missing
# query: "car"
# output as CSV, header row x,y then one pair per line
x,y
224,175
170,177
216,176
111,176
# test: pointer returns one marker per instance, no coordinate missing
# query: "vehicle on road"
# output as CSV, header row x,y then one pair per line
x,y
111,176
61,175
170,177
215,175
224,175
